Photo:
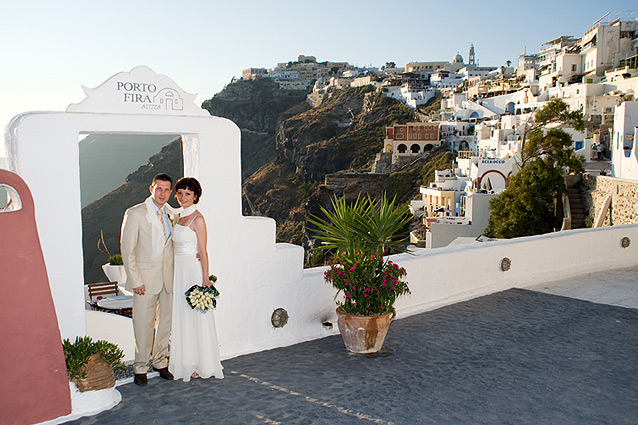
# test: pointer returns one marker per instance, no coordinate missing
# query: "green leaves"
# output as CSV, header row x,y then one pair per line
x,y
116,260
77,354
555,113
527,206
556,146
366,225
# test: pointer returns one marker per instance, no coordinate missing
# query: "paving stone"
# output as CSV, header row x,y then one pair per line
x,y
515,357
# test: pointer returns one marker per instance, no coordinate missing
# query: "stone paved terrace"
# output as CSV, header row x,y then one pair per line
x,y
563,352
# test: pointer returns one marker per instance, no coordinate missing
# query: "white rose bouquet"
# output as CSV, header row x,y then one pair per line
x,y
202,298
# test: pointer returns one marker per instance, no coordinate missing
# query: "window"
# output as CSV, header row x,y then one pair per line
x,y
574,68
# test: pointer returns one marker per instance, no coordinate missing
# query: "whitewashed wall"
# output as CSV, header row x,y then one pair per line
x,y
447,275
625,161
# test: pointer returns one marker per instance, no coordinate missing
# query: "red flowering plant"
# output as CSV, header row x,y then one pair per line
x,y
370,283
360,234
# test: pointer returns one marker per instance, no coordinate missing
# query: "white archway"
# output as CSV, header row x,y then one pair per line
x,y
43,150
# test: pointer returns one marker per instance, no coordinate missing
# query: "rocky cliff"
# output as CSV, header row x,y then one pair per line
x,y
257,107
342,135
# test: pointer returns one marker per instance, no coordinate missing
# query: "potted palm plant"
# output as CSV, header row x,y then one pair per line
x,y
359,235
114,268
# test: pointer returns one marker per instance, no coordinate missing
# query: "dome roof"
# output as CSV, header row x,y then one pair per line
x,y
457,59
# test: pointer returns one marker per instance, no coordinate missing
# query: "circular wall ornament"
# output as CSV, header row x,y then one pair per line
x,y
506,263
279,318
625,242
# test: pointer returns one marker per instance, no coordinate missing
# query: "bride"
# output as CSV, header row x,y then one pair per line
x,y
194,349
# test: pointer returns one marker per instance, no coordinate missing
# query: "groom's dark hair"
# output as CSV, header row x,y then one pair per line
x,y
163,177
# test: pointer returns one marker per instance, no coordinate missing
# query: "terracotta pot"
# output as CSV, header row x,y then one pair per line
x,y
99,375
363,334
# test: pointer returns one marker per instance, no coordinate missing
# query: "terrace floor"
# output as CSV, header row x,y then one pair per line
x,y
564,352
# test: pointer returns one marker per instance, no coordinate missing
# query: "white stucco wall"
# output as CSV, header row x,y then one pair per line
x,y
624,147
447,275
211,153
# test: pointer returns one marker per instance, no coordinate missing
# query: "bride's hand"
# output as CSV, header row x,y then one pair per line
x,y
207,283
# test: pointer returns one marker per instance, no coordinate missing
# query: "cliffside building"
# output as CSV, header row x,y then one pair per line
x,y
253,73
404,143
411,140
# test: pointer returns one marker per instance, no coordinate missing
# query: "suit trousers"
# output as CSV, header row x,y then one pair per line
x,y
152,315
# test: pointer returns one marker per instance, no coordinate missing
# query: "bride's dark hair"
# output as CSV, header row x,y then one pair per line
x,y
189,183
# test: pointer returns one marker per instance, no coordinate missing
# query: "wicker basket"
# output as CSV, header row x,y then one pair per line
x,y
99,375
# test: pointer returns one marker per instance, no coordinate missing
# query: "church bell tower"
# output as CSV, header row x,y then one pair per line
x,y
472,59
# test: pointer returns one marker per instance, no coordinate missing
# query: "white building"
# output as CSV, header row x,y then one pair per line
x,y
410,95
443,197
278,74
445,230
471,71
446,79
362,81
457,203
624,156
565,60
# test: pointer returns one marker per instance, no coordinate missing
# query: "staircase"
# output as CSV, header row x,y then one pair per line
x,y
576,207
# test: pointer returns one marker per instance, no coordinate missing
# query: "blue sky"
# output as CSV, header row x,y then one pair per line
x,y
52,48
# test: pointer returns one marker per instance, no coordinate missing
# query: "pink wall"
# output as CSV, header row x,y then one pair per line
x,y
34,385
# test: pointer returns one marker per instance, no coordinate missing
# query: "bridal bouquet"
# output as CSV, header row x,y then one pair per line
x,y
202,298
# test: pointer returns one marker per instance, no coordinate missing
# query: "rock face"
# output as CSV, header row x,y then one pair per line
x,y
257,107
344,133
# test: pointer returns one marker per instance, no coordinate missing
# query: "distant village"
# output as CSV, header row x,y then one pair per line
x,y
485,110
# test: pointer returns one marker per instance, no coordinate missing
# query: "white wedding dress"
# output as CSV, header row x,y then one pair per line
x,y
194,347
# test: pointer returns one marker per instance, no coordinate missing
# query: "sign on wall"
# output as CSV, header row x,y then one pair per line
x,y
140,91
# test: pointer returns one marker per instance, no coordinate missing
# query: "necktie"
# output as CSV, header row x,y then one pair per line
x,y
160,215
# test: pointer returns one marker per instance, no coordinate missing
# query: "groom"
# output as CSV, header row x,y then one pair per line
x,y
147,251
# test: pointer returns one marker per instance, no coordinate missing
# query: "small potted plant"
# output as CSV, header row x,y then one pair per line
x,y
360,235
90,364
114,268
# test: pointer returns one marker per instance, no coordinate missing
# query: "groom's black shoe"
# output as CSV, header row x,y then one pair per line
x,y
140,379
164,373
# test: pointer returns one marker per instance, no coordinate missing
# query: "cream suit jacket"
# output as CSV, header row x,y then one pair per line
x,y
136,247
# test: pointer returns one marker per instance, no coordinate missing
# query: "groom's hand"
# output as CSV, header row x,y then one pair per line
x,y
140,290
